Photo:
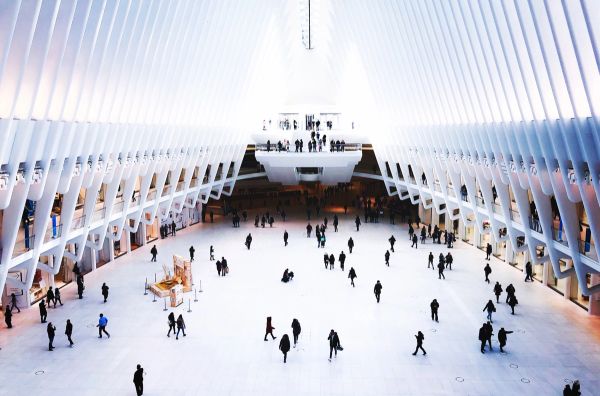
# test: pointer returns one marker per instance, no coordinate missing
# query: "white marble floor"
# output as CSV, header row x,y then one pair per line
x,y
224,352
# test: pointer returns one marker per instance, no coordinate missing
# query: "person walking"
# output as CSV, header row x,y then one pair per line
x,y
334,343
342,260
377,290
269,329
352,275
248,241
350,244
441,271
449,260
488,251
50,297
502,338
487,270
153,252
420,337
489,332
8,317
180,326
171,321
497,291
335,223
482,337
51,330
434,310
284,346
490,308
510,291
387,258
102,322
138,380
211,252
430,261
285,238
512,302
415,241
296,329
357,222
69,332
43,311
80,286
104,291
13,303
57,297
308,230
392,240
224,267
219,267
192,251
331,261
326,260
528,272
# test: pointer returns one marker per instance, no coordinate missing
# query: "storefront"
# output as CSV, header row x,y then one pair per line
x,y
559,285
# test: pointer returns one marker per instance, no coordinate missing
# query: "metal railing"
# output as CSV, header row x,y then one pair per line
x,y
326,148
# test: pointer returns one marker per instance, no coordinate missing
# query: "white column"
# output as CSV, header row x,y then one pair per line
x,y
594,308
92,258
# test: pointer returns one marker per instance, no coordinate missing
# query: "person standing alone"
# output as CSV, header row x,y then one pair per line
x,y
50,329
138,380
153,252
434,310
104,291
284,346
69,332
420,337
377,290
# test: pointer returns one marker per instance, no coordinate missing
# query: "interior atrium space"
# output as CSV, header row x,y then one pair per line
x,y
300,197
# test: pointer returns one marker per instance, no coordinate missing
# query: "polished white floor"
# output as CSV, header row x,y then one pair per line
x,y
224,352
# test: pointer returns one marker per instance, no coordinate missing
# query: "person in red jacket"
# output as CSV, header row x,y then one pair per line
x,y
270,329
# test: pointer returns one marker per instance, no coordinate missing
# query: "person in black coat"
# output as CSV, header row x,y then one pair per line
x,y
153,252
171,321
350,244
296,329
528,272
488,251
387,257
43,311
49,296
192,251
331,261
502,338
449,260
482,337
51,330
420,337
284,346
13,303
434,310
512,302
285,237
510,291
138,380
104,291
430,261
269,329
69,332
57,297
357,222
490,308
415,241
487,270
335,223
326,260
377,290
8,317
308,230
497,291
441,271
248,241
489,332
392,240
352,275
342,260
334,343
211,252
